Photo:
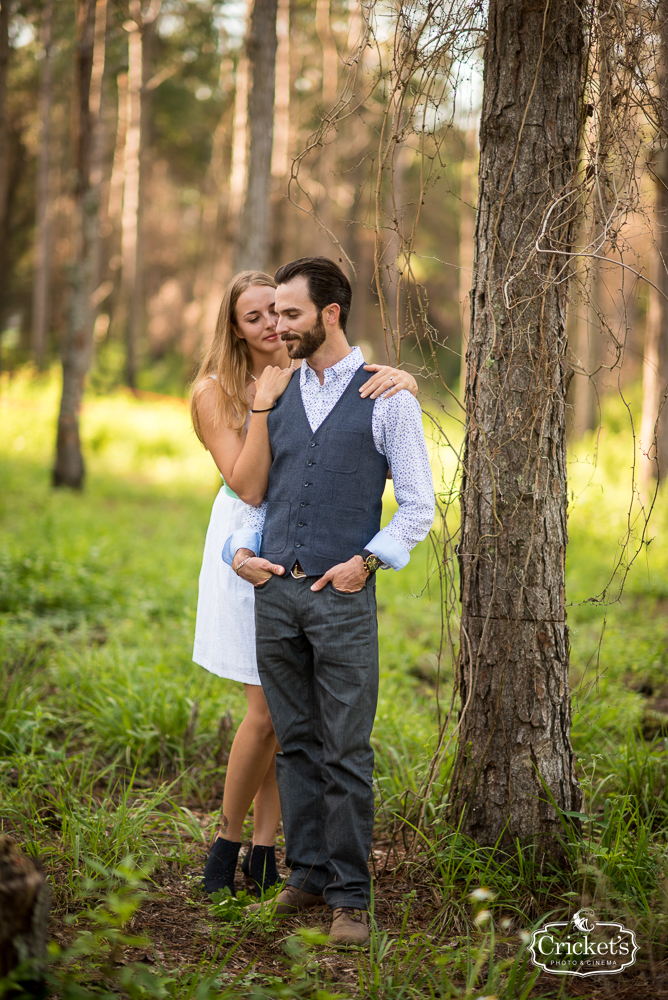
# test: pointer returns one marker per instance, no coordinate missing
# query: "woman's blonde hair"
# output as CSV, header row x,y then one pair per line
x,y
228,358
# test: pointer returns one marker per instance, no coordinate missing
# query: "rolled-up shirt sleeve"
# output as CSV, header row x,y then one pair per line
x,y
249,535
399,436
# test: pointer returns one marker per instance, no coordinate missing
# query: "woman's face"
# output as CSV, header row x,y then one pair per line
x,y
255,319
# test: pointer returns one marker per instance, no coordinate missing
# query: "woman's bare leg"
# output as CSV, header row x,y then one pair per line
x,y
249,772
267,807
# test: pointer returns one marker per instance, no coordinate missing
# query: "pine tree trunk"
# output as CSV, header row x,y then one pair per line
x,y
4,148
587,350
330,71
97,169
654,425
40,301
130,227
515,752
239,165
254,233
69,468
281,138
590,328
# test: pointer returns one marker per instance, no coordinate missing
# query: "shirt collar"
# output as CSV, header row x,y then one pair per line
x,y
346,366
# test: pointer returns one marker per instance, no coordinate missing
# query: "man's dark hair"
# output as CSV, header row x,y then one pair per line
x,y
326,283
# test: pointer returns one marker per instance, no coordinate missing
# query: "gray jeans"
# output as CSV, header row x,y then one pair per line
x,y
317,655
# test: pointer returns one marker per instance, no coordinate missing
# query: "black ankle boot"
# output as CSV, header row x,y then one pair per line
x,y
220,866
245,864
261,868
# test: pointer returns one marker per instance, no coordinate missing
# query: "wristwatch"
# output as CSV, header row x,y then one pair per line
x,y
371,561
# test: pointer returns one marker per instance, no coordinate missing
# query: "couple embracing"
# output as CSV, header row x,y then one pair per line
x,y
305,439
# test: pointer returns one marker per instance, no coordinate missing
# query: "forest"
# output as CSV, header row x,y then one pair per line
x,y
492,176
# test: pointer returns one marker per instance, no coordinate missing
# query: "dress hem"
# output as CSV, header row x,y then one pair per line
x,y
227,676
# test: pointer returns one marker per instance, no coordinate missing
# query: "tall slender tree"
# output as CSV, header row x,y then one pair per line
x,y
515,763
140,28
281,138
255,228
40,300
589,346
654,425
69,468
4,142
330,66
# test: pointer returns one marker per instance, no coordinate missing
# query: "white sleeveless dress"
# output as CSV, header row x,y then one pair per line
x,y
225,625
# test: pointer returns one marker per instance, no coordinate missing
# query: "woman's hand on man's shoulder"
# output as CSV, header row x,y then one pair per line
x,y
271,384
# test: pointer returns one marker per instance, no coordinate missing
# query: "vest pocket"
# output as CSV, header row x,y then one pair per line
x,y
276,524
336,535
342,451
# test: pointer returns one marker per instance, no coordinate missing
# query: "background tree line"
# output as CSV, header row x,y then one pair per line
x,y
170,164
169,92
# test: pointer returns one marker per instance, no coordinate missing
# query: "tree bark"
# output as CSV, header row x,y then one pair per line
x,y
466,234
654,425
24,907
254,232
515,755
5,165
69,467
40,301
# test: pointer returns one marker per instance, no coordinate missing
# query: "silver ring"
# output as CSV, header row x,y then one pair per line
x,y
391,380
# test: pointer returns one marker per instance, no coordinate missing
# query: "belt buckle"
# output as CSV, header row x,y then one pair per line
x,y
297,572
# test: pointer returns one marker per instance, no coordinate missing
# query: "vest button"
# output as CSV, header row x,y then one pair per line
x,y
302,503
312,444
306,484
300,524
298,545
309,463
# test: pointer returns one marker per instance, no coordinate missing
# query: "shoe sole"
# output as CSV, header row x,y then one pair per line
x,y
345,945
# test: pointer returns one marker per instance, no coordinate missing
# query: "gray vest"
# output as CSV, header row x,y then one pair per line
x,y
324,499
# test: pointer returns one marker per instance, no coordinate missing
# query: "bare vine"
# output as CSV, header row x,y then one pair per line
x,y
405,78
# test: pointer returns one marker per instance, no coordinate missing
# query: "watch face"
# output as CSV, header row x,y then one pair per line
x,y
372,563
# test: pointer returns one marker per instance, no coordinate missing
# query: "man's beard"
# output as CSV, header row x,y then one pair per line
x,y
307,343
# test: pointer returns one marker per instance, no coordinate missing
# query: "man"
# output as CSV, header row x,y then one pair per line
x,y
311,551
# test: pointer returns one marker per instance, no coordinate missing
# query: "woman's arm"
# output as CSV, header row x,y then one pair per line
x,y
388,381
244,460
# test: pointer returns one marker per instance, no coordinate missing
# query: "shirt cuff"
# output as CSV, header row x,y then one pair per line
x,y
243,538
388,549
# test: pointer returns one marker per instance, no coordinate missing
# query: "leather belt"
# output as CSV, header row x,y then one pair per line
x,y
297,572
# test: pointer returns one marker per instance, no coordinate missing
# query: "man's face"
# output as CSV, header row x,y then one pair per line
x,y
299,322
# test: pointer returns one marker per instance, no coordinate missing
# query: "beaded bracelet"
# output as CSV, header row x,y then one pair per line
x,y
243,563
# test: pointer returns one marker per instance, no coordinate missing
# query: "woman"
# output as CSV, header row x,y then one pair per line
x,y
244,372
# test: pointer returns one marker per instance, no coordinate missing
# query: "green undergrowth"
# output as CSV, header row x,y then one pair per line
x,y
113,743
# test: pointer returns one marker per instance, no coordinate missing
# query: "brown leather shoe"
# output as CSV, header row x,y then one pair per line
x,y
289,901
350,926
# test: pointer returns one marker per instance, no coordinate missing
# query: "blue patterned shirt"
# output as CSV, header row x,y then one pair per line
x,y
397,434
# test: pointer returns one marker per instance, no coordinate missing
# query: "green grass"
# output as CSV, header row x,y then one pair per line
x,y
111,747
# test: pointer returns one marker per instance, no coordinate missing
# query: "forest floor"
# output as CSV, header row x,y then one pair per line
x,y
113,743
